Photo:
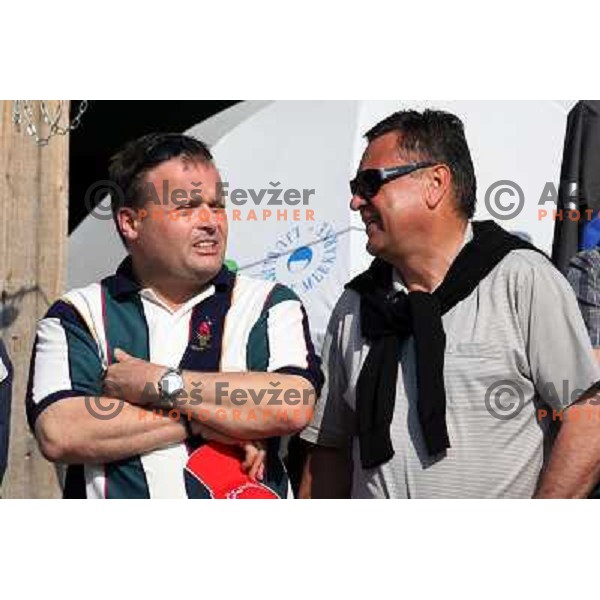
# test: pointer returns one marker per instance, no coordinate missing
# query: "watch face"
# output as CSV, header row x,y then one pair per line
x,y
172,383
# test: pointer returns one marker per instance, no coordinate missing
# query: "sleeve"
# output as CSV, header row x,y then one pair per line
x,y
560,354
333,424
584,277
65,361
280,342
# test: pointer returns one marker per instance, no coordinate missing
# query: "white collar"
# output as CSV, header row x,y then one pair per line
x,y
150,295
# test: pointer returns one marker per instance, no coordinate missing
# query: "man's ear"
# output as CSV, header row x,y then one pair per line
x,y
129,221
438,185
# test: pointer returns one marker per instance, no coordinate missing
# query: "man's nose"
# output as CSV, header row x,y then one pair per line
x,y
356,202
209,226
208,218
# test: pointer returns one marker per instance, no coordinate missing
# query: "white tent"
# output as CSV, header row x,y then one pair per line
x,y
317,146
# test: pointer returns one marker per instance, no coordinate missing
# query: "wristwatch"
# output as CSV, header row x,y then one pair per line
x,y
169,385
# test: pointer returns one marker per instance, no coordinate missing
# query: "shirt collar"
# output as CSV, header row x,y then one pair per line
x,y
125,281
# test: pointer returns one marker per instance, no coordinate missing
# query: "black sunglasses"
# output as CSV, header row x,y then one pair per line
x,y
367,183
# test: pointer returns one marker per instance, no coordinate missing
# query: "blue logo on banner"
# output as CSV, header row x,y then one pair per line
x,y
302,257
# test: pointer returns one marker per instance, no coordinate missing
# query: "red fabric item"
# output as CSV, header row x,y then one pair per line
x,y
219,468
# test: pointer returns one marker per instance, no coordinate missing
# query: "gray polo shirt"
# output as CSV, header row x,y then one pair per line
x,y
515,347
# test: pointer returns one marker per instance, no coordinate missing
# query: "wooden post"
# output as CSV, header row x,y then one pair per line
x,y
33,244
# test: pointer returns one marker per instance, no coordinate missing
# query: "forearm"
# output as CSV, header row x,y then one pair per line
x,y
574,466
248,406
327,474
242,405
68,432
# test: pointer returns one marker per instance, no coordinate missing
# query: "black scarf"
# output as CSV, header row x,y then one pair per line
x,y
388,318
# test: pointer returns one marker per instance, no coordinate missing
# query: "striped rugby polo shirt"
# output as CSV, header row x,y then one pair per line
x,y
236,324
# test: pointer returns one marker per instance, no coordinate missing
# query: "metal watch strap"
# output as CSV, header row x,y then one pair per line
x,y
167,400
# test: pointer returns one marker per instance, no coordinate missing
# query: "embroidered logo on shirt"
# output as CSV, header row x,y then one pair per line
x,y
204,335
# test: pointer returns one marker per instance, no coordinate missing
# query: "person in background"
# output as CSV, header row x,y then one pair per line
x,y
584,276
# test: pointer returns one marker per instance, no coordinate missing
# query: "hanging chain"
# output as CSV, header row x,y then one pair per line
x,y
23,114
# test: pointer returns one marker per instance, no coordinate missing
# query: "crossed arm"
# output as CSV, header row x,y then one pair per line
x,y
244,405
68,431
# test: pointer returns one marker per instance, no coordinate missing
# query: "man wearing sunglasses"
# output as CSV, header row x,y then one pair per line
x,y
455,356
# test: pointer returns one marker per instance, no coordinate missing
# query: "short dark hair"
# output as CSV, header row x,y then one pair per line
x,y
129,165
435,135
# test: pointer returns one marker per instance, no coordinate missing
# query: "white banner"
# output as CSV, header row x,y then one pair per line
x,y
287,166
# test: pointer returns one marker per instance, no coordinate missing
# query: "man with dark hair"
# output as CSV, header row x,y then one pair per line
x,y
178,340
128,168
442,361
437,137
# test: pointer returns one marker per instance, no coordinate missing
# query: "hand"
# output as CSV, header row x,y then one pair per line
x,y
254,464
132,379
255,452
